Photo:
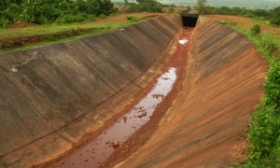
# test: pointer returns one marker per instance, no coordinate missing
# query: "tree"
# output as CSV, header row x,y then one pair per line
x,y
256,29
275,16
106,7
48,11
201,6
188,8
11,12
145,6
171,9
126,3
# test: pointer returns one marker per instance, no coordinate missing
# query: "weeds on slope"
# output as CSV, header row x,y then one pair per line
x,y
31,41
264,133
29,37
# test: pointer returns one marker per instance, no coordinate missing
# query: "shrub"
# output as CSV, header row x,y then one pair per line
x,y
4,23
102,16
131,18
71,32
268,45
229,22
275,21
256,29
42,20
91,18
171,9
71,18
145,6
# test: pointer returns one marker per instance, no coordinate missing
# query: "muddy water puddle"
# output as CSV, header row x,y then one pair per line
x,y
97,152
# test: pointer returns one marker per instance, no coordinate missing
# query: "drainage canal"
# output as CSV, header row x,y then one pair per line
x,y
189,19
113,141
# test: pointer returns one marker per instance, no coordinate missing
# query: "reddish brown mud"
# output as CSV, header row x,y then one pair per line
x,y
113,142
207,122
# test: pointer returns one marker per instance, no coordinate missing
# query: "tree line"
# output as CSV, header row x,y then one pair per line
x,y
48,11
143,6
272,15
66,11
69,11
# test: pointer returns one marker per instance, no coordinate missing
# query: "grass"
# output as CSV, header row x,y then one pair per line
x,y
52,40
264,133
260,20
100,25
120,19
42,30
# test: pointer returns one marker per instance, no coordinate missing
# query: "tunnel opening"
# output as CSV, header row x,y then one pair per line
x,y
189,18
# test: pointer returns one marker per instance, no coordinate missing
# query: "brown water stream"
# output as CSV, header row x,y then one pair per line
x,y
101,149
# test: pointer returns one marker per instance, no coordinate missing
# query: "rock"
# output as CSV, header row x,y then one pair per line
x,y
139,115
144,114
115,144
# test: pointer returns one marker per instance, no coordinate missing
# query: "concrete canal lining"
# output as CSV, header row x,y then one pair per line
x,y
207,122
54,95
51,96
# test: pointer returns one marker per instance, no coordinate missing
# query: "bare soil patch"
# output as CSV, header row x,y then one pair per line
x,y
246,22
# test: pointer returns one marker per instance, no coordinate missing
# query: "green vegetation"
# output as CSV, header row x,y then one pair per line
x,y
49,11
201,6
271,16
143,6
264,133
41,35
256,4
131,18
171,9
256,29
66,11
275,16
56,37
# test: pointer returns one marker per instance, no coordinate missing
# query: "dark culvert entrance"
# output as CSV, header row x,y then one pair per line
x,y
189,19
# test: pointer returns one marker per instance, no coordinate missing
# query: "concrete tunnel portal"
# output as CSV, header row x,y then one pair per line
x,y
54,98
189,20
